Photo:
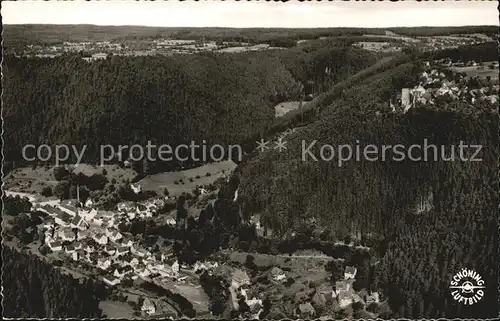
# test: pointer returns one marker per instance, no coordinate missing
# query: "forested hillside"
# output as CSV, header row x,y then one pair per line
x,y
35,289
126,100
419,251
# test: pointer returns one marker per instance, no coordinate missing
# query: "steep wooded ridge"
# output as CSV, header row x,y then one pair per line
x,y
377,200
173,100
38,290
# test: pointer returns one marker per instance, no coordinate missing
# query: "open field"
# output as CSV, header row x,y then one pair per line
x,y
195,295
118,310
378,46
32,180
112,171
287,106
283,261
203,175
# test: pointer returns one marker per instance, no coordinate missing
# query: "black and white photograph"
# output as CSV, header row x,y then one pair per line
x,y
331,160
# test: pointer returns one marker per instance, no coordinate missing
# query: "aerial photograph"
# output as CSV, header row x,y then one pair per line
x,y
250,160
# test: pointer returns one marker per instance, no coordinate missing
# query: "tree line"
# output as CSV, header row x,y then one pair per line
x,y
33,288
218,98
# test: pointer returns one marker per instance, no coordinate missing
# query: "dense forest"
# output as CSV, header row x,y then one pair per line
x,y
229,99
218,98
38,290
419,251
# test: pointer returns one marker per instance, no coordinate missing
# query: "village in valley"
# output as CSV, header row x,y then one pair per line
x,y
143,273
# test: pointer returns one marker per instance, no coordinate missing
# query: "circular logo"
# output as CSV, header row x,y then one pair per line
x,y
467,287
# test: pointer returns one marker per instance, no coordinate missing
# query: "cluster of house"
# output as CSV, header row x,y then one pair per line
x,y
448,42
93,236
341,295
447,62
131,210
239,288
435,84
205,266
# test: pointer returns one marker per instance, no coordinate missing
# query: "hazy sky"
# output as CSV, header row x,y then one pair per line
x,y
252,14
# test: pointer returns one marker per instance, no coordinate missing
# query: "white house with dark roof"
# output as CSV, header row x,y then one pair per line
x,y
345,299
121,250
55,246
143,273
341,286
175,268
114,235
239,279
372,298
71,210
79,223
100,238
70,249
148,307
127,243
97,220
136,188
88,214
89,203
77,255
306,310
121,272
139,251
110,280
103,264
66,234
63,219
277,274
350,272
118,274
126,206
132,262
111,250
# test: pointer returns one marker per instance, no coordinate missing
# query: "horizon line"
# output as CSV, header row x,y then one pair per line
x,y
221,27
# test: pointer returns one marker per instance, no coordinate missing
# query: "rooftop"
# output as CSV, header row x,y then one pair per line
x,y
240,276
350,269
76,219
